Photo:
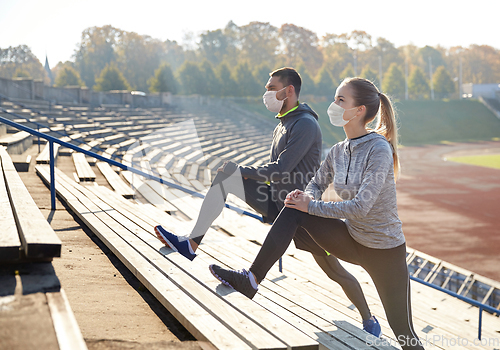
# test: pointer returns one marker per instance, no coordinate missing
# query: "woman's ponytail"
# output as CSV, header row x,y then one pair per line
x,y
388,128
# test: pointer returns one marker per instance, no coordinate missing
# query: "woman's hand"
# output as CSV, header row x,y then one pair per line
x,y
299,200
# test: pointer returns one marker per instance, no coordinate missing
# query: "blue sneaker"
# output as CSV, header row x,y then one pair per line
x,y
175,243
373,327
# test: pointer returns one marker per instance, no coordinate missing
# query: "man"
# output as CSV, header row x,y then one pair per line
x,y
295,157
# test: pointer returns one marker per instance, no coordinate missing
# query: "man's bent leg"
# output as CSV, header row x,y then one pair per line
x,y
254,193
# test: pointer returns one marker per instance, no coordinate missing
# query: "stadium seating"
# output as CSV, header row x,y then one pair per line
x,y
28,283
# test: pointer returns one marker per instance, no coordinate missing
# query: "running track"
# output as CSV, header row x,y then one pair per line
x,y
450,210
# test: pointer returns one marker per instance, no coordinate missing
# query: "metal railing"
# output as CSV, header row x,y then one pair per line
x,y
53,140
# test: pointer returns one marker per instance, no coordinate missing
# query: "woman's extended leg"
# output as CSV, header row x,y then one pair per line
x,y
350,285
389,272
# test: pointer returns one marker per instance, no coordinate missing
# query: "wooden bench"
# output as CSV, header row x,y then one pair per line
x,y
44,156
17,143
35,310
115,181
26,235
83,169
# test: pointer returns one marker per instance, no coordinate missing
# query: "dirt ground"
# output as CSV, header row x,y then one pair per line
x,y
112,308
451,210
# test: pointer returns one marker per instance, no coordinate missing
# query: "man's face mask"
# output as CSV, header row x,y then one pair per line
x,y
272,103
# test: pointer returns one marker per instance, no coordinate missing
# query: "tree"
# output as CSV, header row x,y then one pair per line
x,y
96,51
394,82
427,52
443,85
245,81
163,80
20,58
68,76
210,83
21,73
370,74
259,42
137,57
337,55
214,45
418,87
308,86
301,46
190,77
111,79
261,74
348,72
227,84
324,83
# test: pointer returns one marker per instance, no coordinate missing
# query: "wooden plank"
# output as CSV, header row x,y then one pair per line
x,y
148,193
44,156
37,237
67,331
83,169
9,238
13,138
115,181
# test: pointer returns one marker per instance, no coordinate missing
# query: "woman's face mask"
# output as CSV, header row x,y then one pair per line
x,y
272,103
336,114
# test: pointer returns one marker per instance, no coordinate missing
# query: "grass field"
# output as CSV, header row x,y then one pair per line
x,y
488,160
420,122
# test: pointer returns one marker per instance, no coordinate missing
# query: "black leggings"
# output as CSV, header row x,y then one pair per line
x,y
387,267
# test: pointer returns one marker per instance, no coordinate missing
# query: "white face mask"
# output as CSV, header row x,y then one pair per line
x,y
272,103
336,114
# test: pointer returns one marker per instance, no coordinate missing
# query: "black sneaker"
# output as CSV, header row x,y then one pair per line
x,y
238,280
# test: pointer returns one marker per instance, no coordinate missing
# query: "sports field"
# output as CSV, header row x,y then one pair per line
x,y
485,160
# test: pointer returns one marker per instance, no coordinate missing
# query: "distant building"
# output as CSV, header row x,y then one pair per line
x,y
49,72
481,90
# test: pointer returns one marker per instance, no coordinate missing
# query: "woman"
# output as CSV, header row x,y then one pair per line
x,y
362,169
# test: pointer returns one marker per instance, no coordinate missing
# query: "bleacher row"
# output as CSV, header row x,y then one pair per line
x,y
298,309
28,283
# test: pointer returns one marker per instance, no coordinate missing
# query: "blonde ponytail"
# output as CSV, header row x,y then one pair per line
x,y
387,127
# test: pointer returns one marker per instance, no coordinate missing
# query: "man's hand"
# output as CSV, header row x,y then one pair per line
x,y
299,200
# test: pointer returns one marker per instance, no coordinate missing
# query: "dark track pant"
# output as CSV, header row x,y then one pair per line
x,y
387,267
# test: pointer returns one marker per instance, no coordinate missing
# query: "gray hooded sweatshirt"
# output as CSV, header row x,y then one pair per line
x,y
362,172
295,154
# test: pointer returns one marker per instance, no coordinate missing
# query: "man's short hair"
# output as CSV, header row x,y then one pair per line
x,y
288,76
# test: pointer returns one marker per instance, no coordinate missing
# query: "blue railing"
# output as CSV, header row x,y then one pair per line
x,y
53,140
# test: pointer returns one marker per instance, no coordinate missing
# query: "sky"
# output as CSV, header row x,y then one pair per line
x,y
54,27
